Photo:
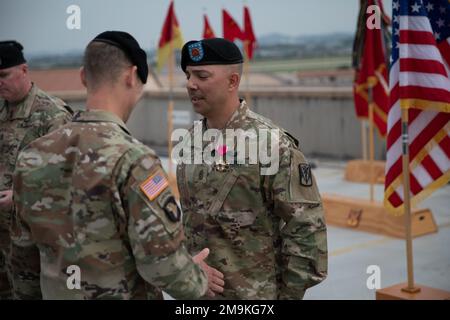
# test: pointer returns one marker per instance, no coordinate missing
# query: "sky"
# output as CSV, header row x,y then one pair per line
x,y
40,25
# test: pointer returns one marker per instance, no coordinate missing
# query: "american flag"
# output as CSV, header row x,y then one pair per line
x,y
154,185
419,81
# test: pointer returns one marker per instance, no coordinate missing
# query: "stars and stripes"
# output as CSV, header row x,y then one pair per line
x,y
419,81
154,185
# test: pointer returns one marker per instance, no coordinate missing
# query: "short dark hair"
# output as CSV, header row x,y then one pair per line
x,y
103,63
239,68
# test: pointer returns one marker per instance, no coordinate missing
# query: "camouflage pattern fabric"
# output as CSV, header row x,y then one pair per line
x,y
91,195
266,233
21,123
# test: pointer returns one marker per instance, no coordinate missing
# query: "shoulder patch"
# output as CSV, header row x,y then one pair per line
x,y
154,185
169,205
305,174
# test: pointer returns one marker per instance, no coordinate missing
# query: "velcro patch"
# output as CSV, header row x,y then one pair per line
x,y
305,174
154,185
170,207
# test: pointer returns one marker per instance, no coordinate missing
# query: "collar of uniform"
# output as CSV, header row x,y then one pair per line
x,y
236,118
22,109
99,116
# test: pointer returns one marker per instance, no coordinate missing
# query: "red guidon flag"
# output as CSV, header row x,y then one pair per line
x,y
370,63
208,32
231,30
419,82
250,39
171,37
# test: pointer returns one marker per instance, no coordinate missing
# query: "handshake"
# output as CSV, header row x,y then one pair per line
x,y
215,277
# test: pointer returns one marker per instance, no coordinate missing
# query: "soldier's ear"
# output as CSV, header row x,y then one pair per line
x,y
131,76
24,68
234,80
83,76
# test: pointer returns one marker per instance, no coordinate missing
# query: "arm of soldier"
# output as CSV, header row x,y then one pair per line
x,y
304,244
24,254
58,117
156,235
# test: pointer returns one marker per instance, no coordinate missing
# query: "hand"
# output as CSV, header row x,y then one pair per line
x,y
215,277
6,199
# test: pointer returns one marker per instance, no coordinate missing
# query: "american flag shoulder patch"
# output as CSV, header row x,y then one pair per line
x,y
154,185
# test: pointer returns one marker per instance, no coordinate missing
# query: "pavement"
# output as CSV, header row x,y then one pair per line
x,y
352,253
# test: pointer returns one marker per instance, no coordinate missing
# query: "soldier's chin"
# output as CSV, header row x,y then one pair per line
x,y
197,104
197,108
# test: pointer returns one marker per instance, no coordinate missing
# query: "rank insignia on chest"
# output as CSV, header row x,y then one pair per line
x,y
221,166
305,174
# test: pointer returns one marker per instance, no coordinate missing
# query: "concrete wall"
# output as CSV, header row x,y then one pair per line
x,y
322,119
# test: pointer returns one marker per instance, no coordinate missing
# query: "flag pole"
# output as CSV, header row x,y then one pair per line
x,y
246,73
364,138
371,142
170,108
407,204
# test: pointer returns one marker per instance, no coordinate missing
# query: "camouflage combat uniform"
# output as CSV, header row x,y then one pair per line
x,y
20,124
266,233
81,200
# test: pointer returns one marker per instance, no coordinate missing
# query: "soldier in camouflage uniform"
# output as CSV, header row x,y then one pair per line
x,y
266,233
91,198
26,113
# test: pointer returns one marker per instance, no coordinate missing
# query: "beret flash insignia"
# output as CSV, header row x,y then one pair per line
x,y
196,52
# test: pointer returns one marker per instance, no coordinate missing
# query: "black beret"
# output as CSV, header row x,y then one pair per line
x,y
210,51
10,54
130,46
